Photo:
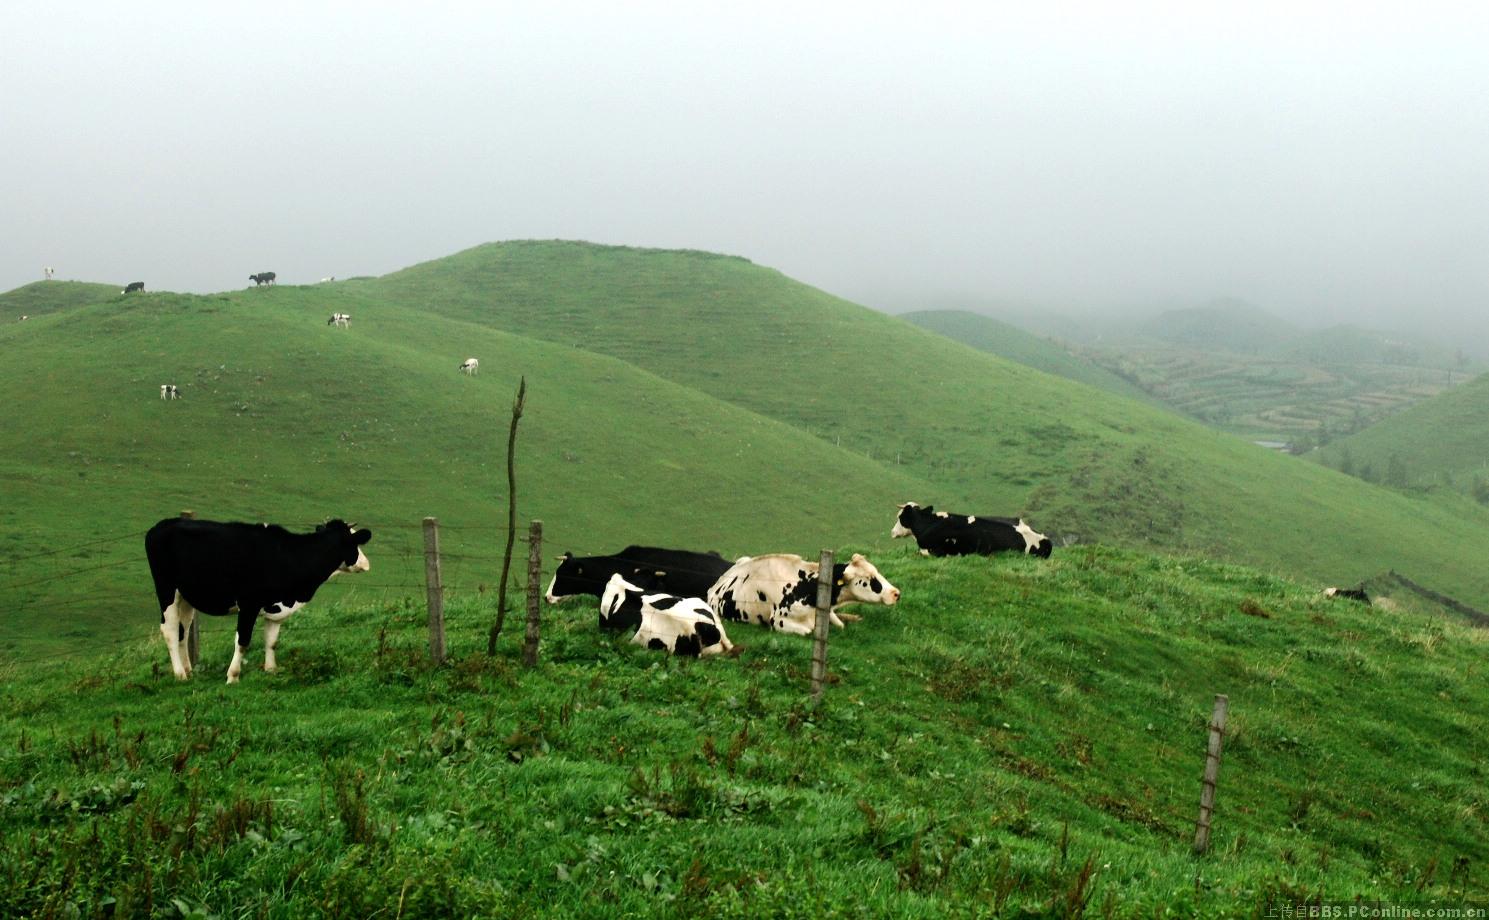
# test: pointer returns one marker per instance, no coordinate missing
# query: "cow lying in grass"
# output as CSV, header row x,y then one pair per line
x,y
940,533
780,591
676,625
243,569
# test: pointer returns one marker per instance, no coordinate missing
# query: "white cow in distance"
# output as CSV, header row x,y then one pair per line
x,y
470,366
169,391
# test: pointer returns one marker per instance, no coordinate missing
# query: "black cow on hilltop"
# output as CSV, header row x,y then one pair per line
x,y
940,533
243,569
262,278
133,286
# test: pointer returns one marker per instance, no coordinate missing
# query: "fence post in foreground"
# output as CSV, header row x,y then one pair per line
x,y
1212,775
434,590
534,591
194,633
823,624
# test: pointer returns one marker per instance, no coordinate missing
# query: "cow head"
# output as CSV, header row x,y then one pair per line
x,y
858,582
909,513
349,543
569,579
1035,544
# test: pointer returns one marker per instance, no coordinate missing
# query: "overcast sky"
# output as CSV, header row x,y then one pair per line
x,y
1325,161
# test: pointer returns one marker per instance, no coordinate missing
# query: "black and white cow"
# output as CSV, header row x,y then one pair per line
x,y
940,533
470,366
676,625
675,571
340,320
1353,594
170,391
133,286
780,591
243,569
262,278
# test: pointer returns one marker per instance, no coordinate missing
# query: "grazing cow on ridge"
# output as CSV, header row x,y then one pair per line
x,y
678,572
262,278
340,320
780,591
169,391
677,625
470,366
1353,594
242,569
940,533
133,286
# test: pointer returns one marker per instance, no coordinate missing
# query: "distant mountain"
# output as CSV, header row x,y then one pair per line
x,y
1440,441
1353,345
1005,340
1222,325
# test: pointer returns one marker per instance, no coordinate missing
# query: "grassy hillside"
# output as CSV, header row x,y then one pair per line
x,y
51,296
1006,341
1017,738
285,419
1443,441
1226,325
1005,437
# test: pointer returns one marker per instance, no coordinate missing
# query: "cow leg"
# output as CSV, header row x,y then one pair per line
x,y
185,615
271,636
242,635
170,627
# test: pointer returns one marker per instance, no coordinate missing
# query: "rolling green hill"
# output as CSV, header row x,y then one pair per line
x,y
45,297
993,336
677,398
283,418
1442,441
1017,738
997,434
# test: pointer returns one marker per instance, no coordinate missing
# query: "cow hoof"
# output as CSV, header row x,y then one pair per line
x,y
181,675
232,678
270,669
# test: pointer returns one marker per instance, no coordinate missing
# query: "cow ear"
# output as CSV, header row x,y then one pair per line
x,y
928,509
362,536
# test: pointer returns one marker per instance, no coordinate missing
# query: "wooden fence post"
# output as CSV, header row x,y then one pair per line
x,y
194,633
434,589
534,587
1212,775
823,624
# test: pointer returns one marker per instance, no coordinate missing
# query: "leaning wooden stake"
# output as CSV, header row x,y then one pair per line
x,y
194,632
1212,775
501,594
434,590
534,586
823,624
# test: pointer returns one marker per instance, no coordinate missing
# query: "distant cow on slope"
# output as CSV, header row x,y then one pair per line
x,y
169,391
133,286
340,320
1353,594
470,366
243,569
262,278
940,533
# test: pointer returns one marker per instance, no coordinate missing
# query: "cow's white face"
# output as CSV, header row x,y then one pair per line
x,y
863,584
900,530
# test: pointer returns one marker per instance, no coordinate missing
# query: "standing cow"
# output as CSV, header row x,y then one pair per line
x,y
133,286
262,278
243,569
780,591
470,366
940,533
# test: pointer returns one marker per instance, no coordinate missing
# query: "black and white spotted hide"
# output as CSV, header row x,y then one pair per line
x,y
676,625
